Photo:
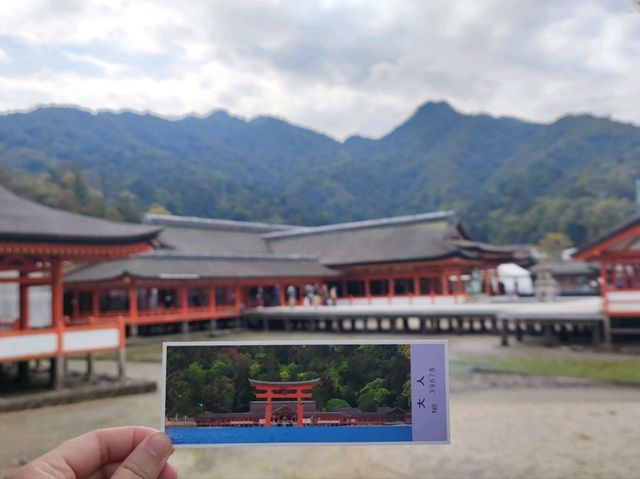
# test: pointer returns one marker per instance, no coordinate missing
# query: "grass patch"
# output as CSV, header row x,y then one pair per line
x,y
623,371
149,353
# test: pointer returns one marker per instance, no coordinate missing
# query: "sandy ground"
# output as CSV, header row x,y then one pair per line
x,y
508,427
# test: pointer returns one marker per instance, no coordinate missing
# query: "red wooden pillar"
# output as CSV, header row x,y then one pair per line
x,y
282,291
133,304
432,288
238,301
57,319
604,287
416,286
23,322
445,283
487,282
367,289
95,302
212,299
183,299
268,410
301,294
390,289
299,410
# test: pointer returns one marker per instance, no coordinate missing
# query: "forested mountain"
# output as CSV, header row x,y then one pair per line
x,y
511,181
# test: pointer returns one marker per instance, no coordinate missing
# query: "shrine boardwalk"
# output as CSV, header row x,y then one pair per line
x,y
578,317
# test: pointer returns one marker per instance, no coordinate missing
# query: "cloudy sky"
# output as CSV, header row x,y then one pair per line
x,y
342,67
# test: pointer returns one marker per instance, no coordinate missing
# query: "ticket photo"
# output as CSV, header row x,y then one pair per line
x,y
219,393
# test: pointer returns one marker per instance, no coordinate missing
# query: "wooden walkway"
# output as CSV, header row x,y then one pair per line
x,y
560,319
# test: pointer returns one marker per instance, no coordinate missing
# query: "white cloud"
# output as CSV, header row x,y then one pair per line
x,y
339,67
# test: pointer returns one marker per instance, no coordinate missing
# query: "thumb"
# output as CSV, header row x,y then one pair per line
x,y
147,460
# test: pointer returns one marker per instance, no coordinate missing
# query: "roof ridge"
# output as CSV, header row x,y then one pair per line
x,y
158,254
449,215
213,223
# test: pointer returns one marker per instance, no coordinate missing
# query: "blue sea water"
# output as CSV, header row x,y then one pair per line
x,y
255,435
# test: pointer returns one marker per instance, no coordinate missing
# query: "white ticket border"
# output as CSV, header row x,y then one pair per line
x,y
163,386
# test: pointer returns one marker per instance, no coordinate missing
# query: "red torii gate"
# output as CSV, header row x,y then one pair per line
x,y
297,390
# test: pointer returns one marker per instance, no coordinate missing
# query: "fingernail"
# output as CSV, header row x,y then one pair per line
x,y
159,445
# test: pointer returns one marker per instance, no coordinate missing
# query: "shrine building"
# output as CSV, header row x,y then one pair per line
x,y
37,243
289,403
210,269
618,254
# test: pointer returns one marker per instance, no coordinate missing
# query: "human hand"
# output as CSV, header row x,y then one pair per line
x,y
118,453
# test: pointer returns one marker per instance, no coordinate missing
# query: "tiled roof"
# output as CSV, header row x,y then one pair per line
x,y
25,220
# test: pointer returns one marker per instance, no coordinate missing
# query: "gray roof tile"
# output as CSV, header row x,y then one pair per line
x,y
24,220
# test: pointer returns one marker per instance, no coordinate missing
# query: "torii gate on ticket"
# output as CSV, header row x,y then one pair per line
x,y
297,390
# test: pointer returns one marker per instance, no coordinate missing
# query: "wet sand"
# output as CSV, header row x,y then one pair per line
x,y
499,428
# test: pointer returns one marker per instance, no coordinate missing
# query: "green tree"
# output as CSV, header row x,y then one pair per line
x,y
336,403
374,393
158,209
554,243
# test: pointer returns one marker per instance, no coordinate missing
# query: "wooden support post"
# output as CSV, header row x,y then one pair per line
x,y
390,289
518,331
122,361
548,334
56,371
23,372
89,372
606,330
504,332
596,338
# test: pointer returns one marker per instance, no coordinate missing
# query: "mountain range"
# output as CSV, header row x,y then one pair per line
x,y
511,181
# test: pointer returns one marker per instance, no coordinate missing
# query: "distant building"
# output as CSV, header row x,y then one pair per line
x,y
618,254
572,278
